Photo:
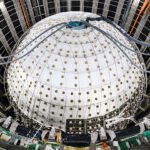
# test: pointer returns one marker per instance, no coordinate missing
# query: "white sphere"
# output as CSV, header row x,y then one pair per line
x,y
74,74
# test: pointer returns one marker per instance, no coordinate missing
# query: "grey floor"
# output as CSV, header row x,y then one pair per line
x,y
142,147
7,146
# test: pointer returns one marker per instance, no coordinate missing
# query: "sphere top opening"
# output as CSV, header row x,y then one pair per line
x,y
77,25
75,75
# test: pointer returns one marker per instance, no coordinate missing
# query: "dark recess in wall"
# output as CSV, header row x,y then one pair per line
x,y
112,9
75,5
88,5
51,7
135,16
100,7
63,5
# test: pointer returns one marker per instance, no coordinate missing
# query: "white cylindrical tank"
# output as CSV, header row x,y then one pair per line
x,y
74,74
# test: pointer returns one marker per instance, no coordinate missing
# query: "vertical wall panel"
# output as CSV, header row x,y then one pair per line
x,y
57,6
14,17
4,42
144,23
123,12
45,3
143,48
81,5
131,14
30,9
100,7
6,30
106,7
3,51
112,9
20,14
51,7
95,6
69,5
135,16
38,9
145,31
8,20
118,11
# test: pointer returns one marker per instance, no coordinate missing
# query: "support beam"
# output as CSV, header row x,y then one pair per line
x,y
95,6
148,81
126,13
81,5
69,5
132,11
4,41
57,6
45,3
8,108
20,15
38,11
31,11
141,25
8,21
35,7
143,48
1,77
118,11
2,115
148,64
106,8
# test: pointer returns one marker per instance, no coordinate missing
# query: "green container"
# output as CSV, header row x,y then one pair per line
x,y
31,146
123,145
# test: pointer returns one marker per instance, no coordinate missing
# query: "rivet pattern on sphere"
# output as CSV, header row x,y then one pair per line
x,y
74,74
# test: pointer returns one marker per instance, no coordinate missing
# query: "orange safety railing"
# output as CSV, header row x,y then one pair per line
x,y
24,14
144,9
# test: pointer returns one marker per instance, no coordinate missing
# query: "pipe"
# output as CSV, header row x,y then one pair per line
x,y
9,61
118,28
116,42
144,9
24,14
